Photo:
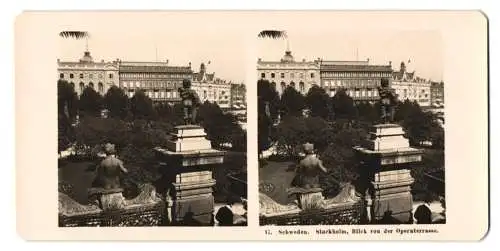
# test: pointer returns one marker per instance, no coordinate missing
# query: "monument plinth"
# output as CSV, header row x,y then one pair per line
x,y
109,199
187,163
386,159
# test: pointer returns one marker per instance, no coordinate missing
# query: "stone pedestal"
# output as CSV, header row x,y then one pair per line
x,y
308,199
386,159
187,163
109,199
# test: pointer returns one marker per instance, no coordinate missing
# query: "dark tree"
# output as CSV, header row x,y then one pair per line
x,y
368,112
117,102
172,114
66,99
270,97
419,125
318,102
292,102
343,106
67,102
220,126
141,106
90,102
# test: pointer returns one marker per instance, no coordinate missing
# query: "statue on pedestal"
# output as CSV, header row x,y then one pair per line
x,y
190,102
388,101
308,170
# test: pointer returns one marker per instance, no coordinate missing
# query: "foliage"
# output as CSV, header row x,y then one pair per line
x,y
90,102
368,112
117,102
219,126
171,113
339,157
67,105
94,131
419,125
292,102
264,124
318,102
66,99
274,34
74,34
294,131
268,95
141,106
343,106
432,160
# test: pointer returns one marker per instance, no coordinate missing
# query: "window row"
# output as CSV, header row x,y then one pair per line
x,y
350,83
356,74
81,75
82,86
283,85
282,75
156,84
151,75
154,93
212,95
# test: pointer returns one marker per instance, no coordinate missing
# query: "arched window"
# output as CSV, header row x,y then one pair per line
x,y
273,85
302,87
292,84
272,75
82,86
91,85
101,88
72,85
61,75
283,86
71,75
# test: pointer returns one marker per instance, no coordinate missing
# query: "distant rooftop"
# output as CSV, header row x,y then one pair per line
x,y
155,68
355,67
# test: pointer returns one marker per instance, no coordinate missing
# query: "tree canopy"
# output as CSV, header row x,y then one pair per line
x,y
318,102
117,102
292,102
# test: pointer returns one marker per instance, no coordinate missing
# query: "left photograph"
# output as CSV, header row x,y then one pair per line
x,y
151,124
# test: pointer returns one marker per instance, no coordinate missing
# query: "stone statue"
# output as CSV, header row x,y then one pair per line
x,y
308,170
110,169
388,100
190,102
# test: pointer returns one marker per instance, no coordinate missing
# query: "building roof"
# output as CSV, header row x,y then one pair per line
x,y
198,76
155,69
355,67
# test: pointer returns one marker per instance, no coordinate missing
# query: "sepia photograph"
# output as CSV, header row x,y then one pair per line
x,y
351,127
252,125
151,126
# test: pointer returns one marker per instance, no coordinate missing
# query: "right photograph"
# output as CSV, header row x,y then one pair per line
x,y
350,127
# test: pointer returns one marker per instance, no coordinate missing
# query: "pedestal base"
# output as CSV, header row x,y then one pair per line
x,y
386,161
109,199
187,169
308,199
393,208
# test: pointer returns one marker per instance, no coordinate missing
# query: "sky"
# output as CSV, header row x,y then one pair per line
x,y
229,40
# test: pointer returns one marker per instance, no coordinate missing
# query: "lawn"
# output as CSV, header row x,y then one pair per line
x,y
275,178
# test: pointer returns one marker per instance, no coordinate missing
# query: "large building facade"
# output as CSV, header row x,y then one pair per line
x,y
86,73
158,80
301,75
211,89
359,79
437,93
409,86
